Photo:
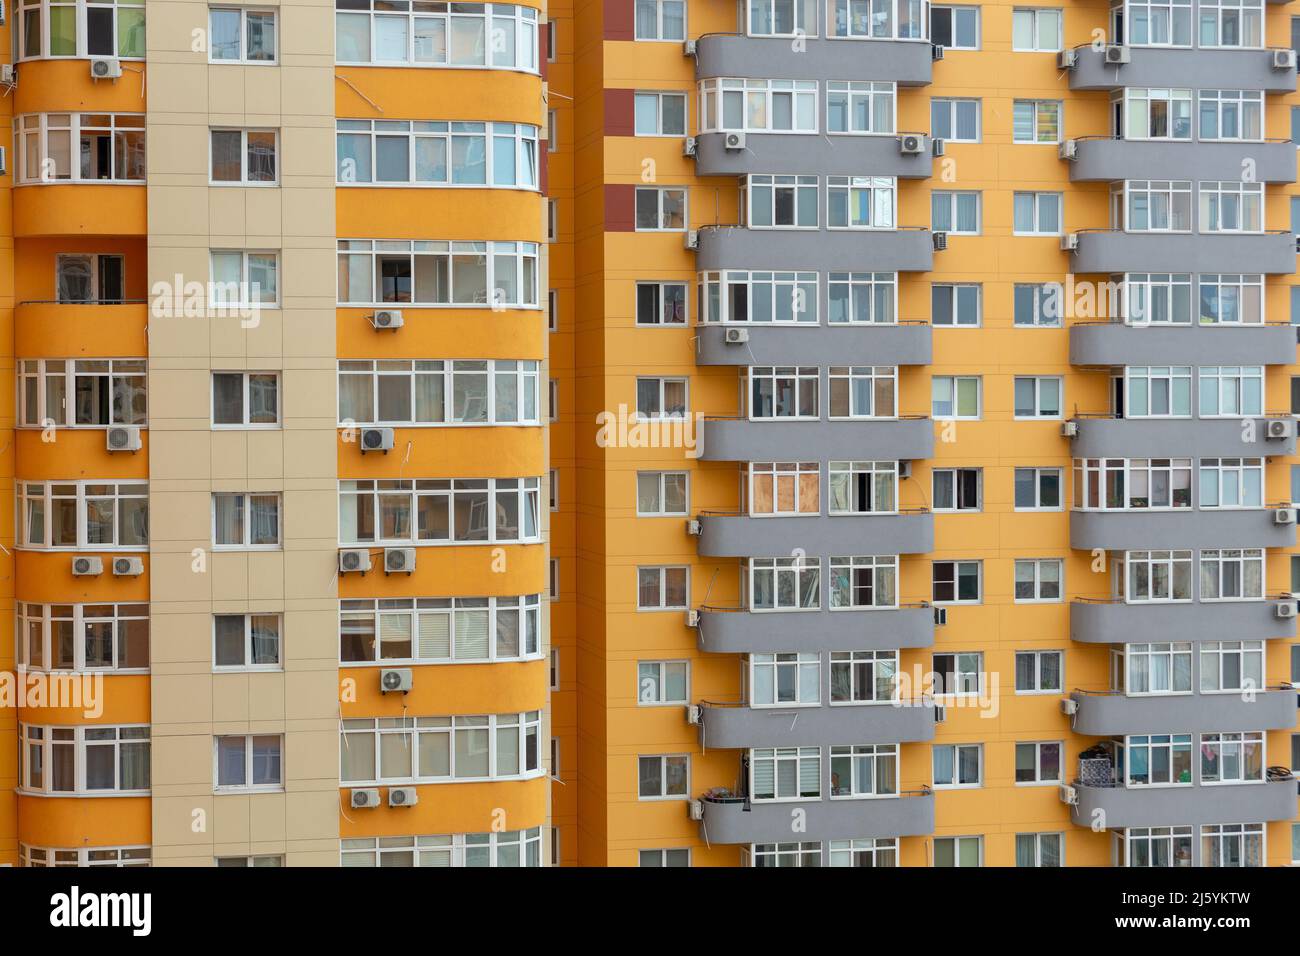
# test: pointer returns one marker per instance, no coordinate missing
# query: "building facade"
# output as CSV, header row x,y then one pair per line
x,y
650,433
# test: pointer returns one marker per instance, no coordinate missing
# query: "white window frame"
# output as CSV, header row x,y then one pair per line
x,y
662,570
244,300
1040,746
1036,17
246,425
658,96
663,796
956,783
1039,474
244,179
139,490
246,523
244,11
659,683
660,477
42,737
661,217
248,664
37,622
1038,688
35,374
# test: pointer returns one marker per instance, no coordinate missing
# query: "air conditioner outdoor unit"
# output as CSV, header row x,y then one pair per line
x,y
940,241
394,679
1070,242
940,616
1284,609
128,567
387,319
87,567
1117,54
689,147
733,142
4,161
376,439
694,527
694,713
1284,59
688,48
736,336
1284,516
692,618
354,559
936,51
697,809
1069,706
399,560
403,797
911,144
1069,429
7,75
105,68
1068,150
692,239
1277,428
905,468
937,147
122,438
367,799
1069,795
1067,59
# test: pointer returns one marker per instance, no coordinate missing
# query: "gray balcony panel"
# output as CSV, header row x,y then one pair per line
x,y
740,536
817,250
1116,343
1119,623
738,822
813,344
739,632
1183,528
906,62
1121,807
741,727
828,155
1109,160
1112,250
1180,437
1198,69
738,439
1105,715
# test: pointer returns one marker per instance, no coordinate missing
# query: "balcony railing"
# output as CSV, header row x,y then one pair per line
x,y
738,630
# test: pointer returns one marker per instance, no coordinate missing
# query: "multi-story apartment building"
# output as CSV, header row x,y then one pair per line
x,y
279,449
650,432
922,594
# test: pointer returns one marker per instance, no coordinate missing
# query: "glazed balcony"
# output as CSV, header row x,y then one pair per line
x,y
1115,714
826,155
1119,343
738,630
909,249
1114,250
743,439
1112,621
1192,68
1139,529
1109,159
906,343
737,820
741,536
905,62
1104,436
733,726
